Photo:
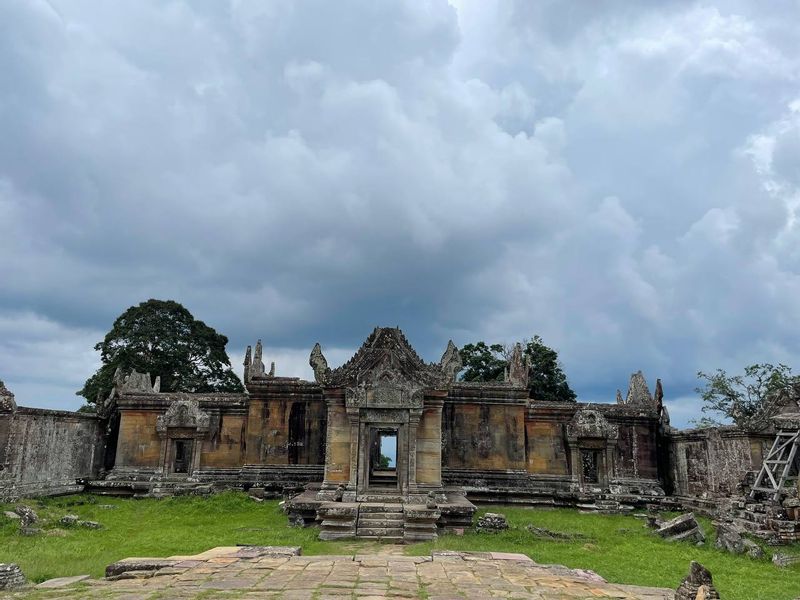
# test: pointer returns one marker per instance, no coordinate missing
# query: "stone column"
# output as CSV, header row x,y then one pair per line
x,y
411,451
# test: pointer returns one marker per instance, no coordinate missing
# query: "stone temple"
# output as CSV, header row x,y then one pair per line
x,y
384,446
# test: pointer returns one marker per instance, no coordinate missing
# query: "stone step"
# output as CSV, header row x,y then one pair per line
x,y
380,531
381,498
381,516
376,507
392,539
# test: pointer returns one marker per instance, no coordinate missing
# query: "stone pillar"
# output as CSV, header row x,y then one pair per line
x,y
411,452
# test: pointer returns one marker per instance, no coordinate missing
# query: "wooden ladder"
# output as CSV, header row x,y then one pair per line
x,y
780,468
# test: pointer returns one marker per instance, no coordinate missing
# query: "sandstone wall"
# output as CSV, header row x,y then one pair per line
x,y
46,452
286,423
712,462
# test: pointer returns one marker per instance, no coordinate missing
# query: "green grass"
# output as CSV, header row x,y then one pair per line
x,y
622,550
619,548
181,525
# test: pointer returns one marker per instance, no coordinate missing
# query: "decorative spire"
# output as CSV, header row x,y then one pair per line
x,y
638,392
659,395
619,397
257,366
248,358
319,364
518,367
451,361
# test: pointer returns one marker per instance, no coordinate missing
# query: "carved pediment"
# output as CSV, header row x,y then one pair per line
x,y
386,358
590,424
184,414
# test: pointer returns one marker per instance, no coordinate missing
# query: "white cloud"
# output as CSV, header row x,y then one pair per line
x,y
620,178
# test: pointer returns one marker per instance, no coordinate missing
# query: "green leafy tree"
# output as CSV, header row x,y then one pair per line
x,y
482,362
750,399
162,338
546,378
384,461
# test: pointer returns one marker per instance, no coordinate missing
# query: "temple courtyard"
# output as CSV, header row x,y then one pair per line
x,y
232,546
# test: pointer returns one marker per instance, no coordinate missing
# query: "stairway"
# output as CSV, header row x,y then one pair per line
x,y
380,521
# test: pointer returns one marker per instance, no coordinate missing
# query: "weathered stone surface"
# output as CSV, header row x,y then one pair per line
x,y
683,527
491,522
248,572
7,403
26,514
698,577
11,515
785,560
11,576
69,520
90,524
61,582
731,539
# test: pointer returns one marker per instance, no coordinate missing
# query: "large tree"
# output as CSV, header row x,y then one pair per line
x,y
546,378
749,399
162,338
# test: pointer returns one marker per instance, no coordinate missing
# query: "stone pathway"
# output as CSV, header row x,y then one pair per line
x,y
277,572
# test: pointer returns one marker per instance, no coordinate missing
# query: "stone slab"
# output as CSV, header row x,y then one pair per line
x,y
61,582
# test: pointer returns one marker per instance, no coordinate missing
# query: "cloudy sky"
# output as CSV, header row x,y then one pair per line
x,y
620,178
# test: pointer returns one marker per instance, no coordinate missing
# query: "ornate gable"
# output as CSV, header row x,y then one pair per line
x,y
387,359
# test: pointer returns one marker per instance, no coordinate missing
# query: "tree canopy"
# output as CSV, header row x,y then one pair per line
x,y
161,337
749,399
546,379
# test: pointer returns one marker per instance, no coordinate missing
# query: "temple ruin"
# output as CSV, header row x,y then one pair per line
x,y
390,446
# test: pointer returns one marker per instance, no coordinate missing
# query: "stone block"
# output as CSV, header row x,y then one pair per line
x,y
60,582
11,576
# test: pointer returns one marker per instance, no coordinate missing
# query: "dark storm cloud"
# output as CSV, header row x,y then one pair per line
x,y
618,178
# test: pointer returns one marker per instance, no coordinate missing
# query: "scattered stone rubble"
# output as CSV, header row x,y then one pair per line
x,y
697,584
730,537
11,576
491,522
27,516
683,527
785,560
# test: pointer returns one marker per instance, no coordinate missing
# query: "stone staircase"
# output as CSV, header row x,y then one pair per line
x,y
380,521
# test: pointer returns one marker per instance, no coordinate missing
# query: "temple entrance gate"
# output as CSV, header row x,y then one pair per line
x,y
385,392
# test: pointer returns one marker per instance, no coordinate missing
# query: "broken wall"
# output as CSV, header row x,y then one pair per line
x,y
713,462
46,452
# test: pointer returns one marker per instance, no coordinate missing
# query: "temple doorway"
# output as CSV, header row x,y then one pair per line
x,y
383,458
183,456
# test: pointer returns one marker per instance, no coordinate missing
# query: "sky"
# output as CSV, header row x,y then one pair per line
x,y
621,178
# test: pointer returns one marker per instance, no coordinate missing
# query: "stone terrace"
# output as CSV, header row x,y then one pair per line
x,y
277,572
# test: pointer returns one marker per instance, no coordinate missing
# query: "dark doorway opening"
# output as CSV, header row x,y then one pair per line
x,y
589,461
183,456
297,433
383,458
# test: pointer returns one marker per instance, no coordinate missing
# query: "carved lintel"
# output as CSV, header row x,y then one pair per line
x,y
184,414
589,423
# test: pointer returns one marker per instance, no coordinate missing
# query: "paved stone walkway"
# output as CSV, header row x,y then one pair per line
x,y
253,572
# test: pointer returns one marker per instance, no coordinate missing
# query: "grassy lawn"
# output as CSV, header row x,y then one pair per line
x,y
622,550
619,548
